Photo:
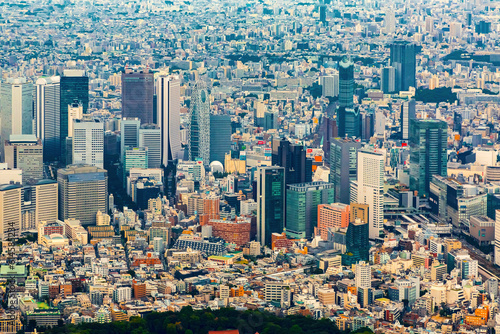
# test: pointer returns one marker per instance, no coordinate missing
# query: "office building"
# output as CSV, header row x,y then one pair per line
x,y
302,201
270,202
150,137
88,142
331,216
137,95
10,211
16,109
346,83
403,59
47,113
236,232
298,168
168,110
129,133
369,187
39,203
497,238
388,84
330,85
83,191
357,242
270,120
134,157
25,152
407,114
75,112
343,167
74,86
428,146
363,275
220,137
199,127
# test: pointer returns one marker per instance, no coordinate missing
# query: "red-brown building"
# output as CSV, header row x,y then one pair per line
x,y
237,232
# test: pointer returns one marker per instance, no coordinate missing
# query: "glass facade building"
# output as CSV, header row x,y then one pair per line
x,y
302,202
343,167
403,59
270,202
428,145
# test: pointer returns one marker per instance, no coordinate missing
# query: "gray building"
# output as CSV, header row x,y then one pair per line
x,y
343,167
25,152
220,137
83,190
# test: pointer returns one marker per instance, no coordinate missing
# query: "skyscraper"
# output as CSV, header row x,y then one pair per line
x,y
363,275
298,168
370,187
47,113
10,211
343,167
302,202
199,126
331,216
388,84
357,242
150,137
83,191
168,109
349,118
407,114
270,202
403,59
16,109
330,85
134,157
428,146
25,152
74,88
220,137
39,203
88,142
137,95
346,83
129,132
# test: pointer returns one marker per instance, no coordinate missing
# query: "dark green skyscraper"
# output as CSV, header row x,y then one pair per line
x,y
270,202
348,116
428,145
403,59
220,137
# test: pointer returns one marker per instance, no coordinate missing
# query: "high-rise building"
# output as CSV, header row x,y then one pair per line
x,y
357,242
129,132
388,84
343,167
403,59
10,211
428,146
270,202
329,130
134,157
331,216
25,152
74,88
302,201
298,168
16,109
199,126
390,22
83,191
346,83
369,187
407,114
137,95
150,137
88,142
497,238
75,112
322,13
363,275
47,113
168,110
39,203
330,85
359,211
220,137
348,117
